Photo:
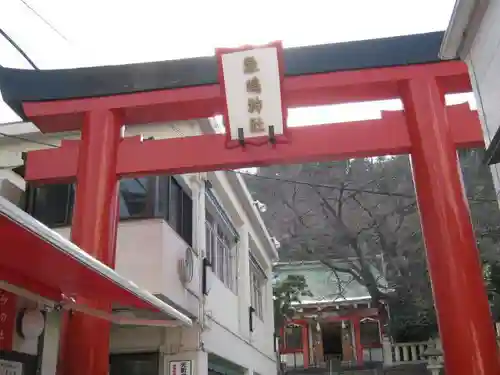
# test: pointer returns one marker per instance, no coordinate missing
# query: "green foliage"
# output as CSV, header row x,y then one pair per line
x,y
286,293
413,317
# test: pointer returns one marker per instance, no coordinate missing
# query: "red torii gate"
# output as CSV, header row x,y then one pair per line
x,y
427,130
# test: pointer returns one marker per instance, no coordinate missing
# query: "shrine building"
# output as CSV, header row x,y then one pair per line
x,y
336,323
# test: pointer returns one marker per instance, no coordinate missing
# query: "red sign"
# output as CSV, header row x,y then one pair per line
x,y
7,319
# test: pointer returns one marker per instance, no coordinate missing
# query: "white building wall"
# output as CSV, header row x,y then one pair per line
x,y
221,341
483,60
244,284
148,253
136,339
262,336
51,336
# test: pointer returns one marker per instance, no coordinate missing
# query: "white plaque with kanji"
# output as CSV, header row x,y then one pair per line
x,y
253,92
180,368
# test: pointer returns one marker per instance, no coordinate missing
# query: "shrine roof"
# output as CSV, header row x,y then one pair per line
x,y
21,85
325,285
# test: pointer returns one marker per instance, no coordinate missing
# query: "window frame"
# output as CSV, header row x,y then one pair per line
x,y
371,337
222,243
151,198
119,360
31,203
292,338
258,282
158,200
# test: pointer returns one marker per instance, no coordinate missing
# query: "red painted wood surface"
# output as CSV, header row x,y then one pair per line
x,y
388,135
305,345
8,311
356,324
85,339
453,259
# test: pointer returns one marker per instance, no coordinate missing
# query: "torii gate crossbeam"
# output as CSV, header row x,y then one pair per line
x,y
99,100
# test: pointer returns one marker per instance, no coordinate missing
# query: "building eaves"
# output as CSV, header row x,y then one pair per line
x,y
462,28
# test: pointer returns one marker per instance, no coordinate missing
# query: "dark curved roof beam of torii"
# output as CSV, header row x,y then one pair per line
x,y
22,86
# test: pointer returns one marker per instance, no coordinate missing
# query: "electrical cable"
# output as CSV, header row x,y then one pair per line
x,y
326,186
41,143
389,194
52,27
18,48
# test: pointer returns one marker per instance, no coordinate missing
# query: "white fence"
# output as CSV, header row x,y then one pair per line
x,y
406,353
292,360
391,354
410,352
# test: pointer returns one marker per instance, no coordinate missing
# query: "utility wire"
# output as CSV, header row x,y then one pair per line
x,y
18,48
284,180
52,27
385,193
41,143
326,186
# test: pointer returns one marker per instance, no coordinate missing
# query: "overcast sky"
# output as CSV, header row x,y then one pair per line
x,y
118,31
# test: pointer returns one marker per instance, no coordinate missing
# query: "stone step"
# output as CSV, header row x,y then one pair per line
x,y
413,369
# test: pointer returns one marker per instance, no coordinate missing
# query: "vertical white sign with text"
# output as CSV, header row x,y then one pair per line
x,y
253,92
180,368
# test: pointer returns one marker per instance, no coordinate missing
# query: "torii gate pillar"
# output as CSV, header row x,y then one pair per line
x,y
85,339
462,307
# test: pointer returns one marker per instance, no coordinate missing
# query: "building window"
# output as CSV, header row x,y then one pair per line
x,y
139,198
293,338
221,242
178,209
370,333
222,250
134,364
257,283
54,204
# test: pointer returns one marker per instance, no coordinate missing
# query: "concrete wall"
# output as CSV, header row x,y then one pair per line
x,y
262,336
483,59
220,340
148,253
11,186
